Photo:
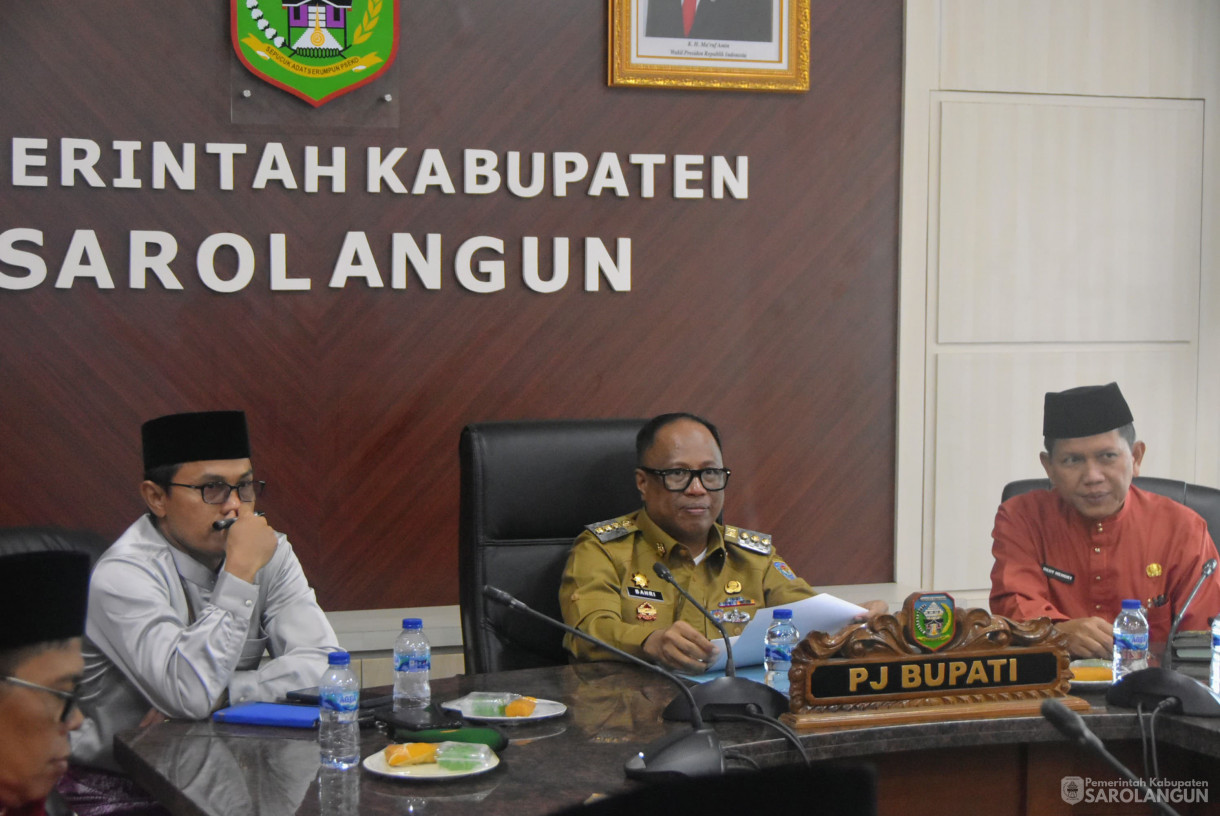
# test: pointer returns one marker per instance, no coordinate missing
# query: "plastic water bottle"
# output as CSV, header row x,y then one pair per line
x,y
338,731
339,791
1215,676
782,637
412,665
1130,640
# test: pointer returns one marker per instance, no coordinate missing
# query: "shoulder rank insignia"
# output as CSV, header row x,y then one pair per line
x,y
748,539
612,529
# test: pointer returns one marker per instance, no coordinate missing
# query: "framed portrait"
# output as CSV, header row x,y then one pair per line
x,y
760,45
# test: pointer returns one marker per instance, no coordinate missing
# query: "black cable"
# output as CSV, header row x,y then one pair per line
x,y
1163,705
742,757
788,733
1139,713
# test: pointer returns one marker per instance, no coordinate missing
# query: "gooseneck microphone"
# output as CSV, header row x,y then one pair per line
x,y
663,572
682,754
1167,656
729,694
1072,726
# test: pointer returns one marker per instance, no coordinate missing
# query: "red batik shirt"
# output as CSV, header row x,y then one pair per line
x,y
1051,561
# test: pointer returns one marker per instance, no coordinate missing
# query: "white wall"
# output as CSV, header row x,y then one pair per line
x,y
1059,228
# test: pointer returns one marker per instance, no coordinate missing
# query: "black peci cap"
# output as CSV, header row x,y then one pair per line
x,y
42,597
201,437
1085,411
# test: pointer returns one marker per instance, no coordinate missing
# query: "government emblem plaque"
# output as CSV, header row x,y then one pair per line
x,y
316,49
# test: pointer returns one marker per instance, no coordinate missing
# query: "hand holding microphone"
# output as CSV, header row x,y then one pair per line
x,y
249,544
225,524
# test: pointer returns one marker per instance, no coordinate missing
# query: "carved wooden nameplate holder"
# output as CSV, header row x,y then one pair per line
x,y
928,661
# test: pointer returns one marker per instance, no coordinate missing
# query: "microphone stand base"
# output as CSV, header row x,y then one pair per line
x,y
730,695
684,753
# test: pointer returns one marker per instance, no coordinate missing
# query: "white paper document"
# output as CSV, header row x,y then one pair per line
x,y
821,613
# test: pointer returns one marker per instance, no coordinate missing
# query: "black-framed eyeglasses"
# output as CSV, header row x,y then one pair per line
x,y
678,479
71,698
218,492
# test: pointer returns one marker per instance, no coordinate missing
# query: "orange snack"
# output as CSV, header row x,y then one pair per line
x,y
410,753
520,707
1092,673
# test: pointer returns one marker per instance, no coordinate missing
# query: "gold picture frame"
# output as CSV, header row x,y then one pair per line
x,y
651,45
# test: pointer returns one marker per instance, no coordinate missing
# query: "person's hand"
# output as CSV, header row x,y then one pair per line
x,y
152,718
680,646
873,609
249,545
1088,637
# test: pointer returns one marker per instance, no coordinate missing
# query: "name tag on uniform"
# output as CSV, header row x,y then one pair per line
x,y
1058,574
640,592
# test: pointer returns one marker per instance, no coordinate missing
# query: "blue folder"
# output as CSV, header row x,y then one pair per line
x,y
290,716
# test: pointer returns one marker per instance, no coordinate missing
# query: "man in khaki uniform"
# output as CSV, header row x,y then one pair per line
x,y
609,589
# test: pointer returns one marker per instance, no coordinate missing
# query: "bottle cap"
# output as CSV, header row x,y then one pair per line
x,y
1131,603
412,623
781,614
339,659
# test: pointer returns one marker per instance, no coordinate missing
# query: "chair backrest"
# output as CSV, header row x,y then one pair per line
x,y
528,489
1203,500
15,540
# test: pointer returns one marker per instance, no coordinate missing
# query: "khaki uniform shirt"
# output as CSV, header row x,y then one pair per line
x,y
610,591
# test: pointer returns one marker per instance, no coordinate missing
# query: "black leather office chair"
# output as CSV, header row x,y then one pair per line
x,y
528,489
1203,500
15,540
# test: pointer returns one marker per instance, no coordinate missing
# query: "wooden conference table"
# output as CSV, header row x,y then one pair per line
x,y
1002,766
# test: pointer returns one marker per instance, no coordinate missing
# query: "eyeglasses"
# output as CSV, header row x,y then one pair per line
x,y
218,492
71,698
678,479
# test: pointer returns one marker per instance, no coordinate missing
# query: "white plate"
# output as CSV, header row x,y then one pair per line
x,y
543,710
376,763
1090,685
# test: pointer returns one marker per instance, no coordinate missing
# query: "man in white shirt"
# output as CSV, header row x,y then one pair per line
x,y
180,612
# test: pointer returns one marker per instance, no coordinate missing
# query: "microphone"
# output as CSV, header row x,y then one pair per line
x,y
225,524
1167,657
1072,726
729,694
680,754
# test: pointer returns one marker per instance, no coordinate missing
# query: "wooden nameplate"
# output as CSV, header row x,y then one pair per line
x,y
927,662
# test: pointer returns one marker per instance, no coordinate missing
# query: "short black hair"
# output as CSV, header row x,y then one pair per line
x,y
11,659
1127,432
648,434
162,475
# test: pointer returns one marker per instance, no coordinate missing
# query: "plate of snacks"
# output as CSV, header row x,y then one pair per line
x,y
1091,675
504,707
431,760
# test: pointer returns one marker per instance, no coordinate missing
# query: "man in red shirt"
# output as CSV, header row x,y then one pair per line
x,y
1074,552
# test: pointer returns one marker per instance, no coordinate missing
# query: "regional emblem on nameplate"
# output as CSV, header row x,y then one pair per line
x,y
316,49
932,624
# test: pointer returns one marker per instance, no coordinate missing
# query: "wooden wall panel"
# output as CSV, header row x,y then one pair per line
x,y
773,316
